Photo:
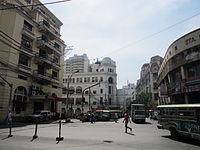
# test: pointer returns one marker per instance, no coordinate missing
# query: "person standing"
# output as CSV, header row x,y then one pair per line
x,y
9,118
116,117
126,120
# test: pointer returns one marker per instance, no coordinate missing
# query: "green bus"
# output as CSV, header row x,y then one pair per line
x,y
180,119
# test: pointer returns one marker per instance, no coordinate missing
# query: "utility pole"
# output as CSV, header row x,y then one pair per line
x,y
10,96
89,94
69,80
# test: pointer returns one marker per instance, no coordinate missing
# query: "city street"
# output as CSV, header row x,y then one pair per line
x,y
100,135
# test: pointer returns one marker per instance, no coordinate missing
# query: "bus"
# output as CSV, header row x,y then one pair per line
x,y
138,113
180,119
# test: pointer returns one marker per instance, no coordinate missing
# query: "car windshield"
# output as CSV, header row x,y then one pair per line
x,y
139,113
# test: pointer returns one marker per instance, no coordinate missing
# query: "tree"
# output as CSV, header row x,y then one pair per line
x,y
144,98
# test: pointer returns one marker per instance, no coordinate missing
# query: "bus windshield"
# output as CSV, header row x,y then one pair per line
x,y
139,112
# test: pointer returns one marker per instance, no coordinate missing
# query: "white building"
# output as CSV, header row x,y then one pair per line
x,y
77,62
126,95
85,84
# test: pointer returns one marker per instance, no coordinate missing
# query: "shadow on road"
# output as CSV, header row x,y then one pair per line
x,y
130,134
5,138
184,140
142,123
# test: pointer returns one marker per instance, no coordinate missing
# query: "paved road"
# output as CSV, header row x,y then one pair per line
x,y
101,135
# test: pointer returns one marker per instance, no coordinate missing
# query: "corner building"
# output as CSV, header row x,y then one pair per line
x,y
179,75
101,96
31,59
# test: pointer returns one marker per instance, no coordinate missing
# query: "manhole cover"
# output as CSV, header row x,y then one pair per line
x,y
107,141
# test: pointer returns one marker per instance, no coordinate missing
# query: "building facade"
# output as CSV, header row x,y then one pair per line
x,y
77,62
148,79
126,96
179,75
31,58
92,89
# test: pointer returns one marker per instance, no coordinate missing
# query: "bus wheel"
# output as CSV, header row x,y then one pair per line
x,y
173,132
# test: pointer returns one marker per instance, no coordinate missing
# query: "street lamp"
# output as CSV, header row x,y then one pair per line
x,y
69,79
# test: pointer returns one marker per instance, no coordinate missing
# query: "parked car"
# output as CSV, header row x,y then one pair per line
x,y
40,116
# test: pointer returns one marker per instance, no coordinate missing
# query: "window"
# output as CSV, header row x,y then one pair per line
x,y
78,101
94,92
101,100
64,91
101,91
23,60
101,79
20,99
109,90
93,79
27,26
22,77
54,74
54,86
26,42
110,80
56,45
78,90
28,1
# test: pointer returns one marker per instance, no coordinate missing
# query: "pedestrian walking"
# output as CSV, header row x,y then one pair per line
x,y
116,117
126,120
9,118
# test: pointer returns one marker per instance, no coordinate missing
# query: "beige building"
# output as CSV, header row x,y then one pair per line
x,y
148,79
179,75
31,58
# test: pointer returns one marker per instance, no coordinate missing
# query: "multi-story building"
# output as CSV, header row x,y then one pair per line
x,y
31,58
86,85
148,79
179,75
77,62
126,96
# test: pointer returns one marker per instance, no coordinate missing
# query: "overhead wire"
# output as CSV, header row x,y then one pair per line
x,y
152,35
48,3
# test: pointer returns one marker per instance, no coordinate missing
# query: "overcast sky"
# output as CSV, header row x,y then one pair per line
x,y
128,31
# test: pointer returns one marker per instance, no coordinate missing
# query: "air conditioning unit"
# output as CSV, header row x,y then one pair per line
x,y
33,87
33,93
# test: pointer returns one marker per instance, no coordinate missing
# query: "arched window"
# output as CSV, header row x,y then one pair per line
x,y
78,90
110,80
71,90
20,99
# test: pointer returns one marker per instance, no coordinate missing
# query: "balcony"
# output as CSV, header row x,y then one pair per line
x,y
175,88
24,68
46,28
27,50
45,44
47,61
29,33
191,81
42,77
